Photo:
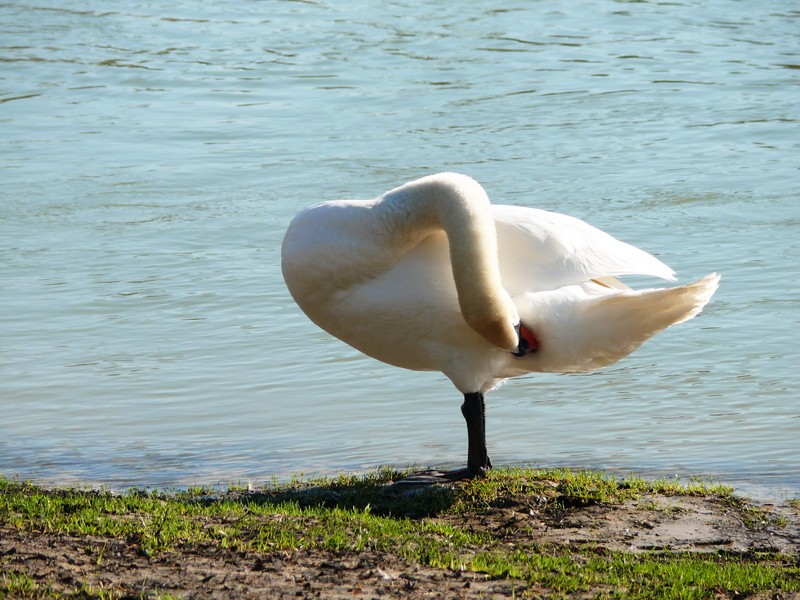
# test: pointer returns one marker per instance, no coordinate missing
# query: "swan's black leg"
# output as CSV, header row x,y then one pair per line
x,y
478,463
474,411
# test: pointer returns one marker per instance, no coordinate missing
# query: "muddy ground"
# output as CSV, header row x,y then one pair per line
x,y
681,523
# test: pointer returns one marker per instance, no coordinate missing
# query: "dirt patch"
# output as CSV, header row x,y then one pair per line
x,y
66,563
651,522
681,523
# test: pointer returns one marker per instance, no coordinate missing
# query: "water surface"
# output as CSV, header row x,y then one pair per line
x,y
152,154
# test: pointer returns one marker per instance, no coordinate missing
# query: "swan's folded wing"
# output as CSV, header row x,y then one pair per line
x,y
541,250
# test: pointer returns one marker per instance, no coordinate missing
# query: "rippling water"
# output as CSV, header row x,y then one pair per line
x,y
152,153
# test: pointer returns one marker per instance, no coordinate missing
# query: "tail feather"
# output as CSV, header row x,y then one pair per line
x,y
582,329
659,308
701,291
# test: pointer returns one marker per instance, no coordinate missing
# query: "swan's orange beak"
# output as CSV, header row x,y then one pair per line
x,y
528,342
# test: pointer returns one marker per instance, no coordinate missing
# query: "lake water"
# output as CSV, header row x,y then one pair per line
x,y
152,154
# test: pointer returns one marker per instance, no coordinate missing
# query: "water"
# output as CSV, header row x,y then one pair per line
x,y
152,154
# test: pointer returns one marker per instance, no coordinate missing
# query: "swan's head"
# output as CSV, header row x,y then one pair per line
x,y
528,342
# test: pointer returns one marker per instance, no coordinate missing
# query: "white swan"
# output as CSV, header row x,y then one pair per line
x,y
431,276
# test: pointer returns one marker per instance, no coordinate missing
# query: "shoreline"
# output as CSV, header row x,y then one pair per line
x,y
763,489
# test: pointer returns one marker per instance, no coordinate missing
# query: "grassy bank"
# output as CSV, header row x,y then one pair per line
x,y
495,527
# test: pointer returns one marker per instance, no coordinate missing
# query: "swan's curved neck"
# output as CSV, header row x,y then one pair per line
x,y
458,205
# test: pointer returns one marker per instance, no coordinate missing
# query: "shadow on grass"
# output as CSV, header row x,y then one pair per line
x,y
377,494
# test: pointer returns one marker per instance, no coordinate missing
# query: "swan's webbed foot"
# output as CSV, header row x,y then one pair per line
x,y
434,476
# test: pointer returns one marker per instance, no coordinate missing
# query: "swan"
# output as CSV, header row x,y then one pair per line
x,y
431,276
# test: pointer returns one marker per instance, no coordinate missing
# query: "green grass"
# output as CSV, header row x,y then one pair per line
x,y
350,514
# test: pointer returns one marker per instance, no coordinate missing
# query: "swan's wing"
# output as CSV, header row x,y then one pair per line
x,y
542,250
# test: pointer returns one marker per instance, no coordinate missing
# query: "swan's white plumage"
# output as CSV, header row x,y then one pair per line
x,y
549,250
379,274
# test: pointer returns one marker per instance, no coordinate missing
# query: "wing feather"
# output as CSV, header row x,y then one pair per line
x,y
542,250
